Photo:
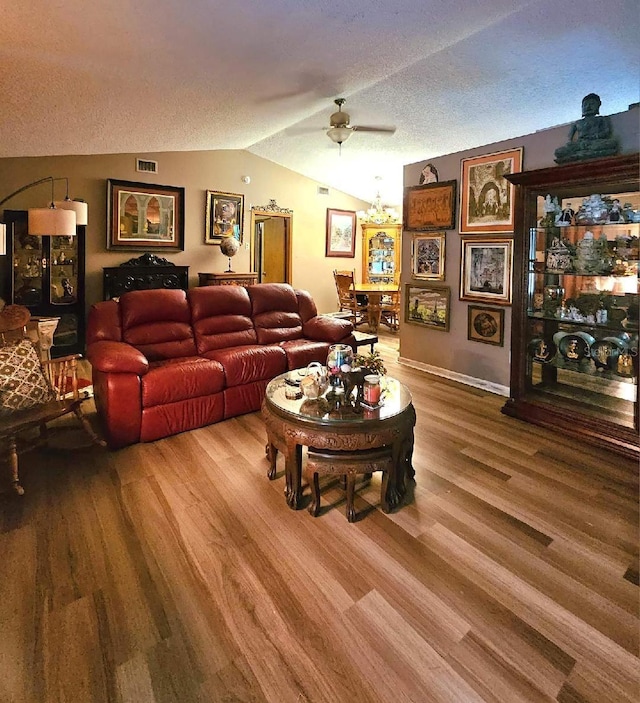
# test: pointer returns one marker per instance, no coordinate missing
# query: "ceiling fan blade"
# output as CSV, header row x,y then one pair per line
x,y
377,130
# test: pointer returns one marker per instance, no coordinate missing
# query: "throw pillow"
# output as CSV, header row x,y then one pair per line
x,y
22,380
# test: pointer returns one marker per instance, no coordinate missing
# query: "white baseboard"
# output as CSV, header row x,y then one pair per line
x,y
459,377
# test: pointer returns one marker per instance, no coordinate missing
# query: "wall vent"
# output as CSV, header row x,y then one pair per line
x,y
146,166
323,190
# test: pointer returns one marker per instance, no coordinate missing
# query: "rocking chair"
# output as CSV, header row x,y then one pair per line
x,y
52,387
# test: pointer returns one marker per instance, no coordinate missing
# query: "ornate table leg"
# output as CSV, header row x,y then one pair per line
x,y
293,474
374,307
271,452
351,484
314,484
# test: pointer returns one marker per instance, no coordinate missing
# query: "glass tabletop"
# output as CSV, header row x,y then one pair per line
x,y
332,408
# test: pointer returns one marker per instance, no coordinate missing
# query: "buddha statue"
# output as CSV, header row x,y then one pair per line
x,y
590,137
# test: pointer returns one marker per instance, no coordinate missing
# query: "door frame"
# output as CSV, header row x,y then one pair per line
x,y
264,213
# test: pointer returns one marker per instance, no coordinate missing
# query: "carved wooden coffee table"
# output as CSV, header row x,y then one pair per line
x,y
329,423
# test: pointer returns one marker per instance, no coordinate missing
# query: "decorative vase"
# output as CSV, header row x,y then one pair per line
x,y
339,361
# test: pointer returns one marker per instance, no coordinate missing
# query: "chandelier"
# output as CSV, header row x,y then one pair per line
x,y
377,214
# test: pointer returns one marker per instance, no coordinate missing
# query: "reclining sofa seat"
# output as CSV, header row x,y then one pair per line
x,y
166,361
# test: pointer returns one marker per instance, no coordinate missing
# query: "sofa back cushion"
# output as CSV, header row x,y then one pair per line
x,y
221,317
275,312
158,323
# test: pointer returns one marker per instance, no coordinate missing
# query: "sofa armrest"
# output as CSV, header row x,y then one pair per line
x,y
326,329
117,357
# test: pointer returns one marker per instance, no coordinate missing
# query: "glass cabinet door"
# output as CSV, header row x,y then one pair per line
x,y
583,307
381,253
29,264
64,270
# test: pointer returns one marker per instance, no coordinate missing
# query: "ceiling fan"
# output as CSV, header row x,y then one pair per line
x,y
340,130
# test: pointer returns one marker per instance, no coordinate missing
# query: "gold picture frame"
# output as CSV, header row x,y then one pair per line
x,y
487,198
428,256
224,214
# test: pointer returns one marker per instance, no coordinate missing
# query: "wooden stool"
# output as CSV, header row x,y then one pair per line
x,y
347,464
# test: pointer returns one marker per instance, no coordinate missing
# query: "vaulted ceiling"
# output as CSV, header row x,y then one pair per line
x,y
80,77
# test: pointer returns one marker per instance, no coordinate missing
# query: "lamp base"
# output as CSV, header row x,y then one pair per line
x,y
229,269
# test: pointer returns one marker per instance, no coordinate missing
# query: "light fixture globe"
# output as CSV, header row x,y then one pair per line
x,y
339,134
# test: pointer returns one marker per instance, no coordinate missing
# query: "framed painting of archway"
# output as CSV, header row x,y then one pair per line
x,y
141,216
486,199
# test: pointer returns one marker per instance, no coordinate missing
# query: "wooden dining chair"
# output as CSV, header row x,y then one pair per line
x,y
33,393
347,299
390,313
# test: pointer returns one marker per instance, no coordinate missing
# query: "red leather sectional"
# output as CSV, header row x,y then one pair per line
x,y
166,361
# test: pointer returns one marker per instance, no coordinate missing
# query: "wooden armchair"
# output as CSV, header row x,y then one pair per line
x,y
58,395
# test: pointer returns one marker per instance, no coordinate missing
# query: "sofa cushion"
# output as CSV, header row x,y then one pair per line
x,y
221,317
251,363
275,312
172,380
158,323
301,352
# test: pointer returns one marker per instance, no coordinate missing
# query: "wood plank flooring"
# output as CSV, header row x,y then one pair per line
x,y
174,572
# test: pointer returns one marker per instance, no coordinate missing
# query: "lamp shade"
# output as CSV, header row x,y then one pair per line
x,y
3,239
79,207
52,222
339,134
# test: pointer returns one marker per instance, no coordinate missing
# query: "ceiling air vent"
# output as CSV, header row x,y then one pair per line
x,y
146,166
323,190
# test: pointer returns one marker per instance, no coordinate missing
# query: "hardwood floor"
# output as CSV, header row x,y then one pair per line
x,y
175,572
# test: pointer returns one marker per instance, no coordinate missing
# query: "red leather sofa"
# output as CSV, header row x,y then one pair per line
x,y
166,361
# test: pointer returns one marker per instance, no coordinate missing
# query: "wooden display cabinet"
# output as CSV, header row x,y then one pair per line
x,y
574,345
381,252
46,274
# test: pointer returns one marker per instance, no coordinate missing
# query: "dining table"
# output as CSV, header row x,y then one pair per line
x,y
375,293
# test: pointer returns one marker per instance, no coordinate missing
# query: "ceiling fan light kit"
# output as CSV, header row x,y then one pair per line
x,y
340,130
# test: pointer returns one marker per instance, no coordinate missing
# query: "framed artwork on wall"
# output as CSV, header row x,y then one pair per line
x,y
142,216
486,199
427,256
485,270
224,213
427,305
341,238
486,325
430,206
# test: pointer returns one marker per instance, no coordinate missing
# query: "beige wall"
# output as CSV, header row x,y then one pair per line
x,y
452,351
197,172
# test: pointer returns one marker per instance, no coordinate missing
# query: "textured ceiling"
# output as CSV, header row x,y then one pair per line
x,y
169,75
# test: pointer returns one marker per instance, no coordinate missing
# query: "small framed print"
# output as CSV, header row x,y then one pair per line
x,y
486,199
427,305
485,270
341,237
486,325
145,217
427,256
224,213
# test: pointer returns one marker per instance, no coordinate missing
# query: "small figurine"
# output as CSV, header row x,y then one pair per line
x,y
615,213
565,218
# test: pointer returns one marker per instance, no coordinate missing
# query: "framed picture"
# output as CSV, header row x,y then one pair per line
x,y
485,270
341,238
224,213
486,325
427,305
430,206
144,216
486,201
427,256
429,174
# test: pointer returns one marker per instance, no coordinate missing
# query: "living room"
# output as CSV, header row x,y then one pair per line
x,y
175,570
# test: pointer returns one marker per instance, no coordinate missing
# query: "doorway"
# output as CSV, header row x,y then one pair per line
x,y
271,245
